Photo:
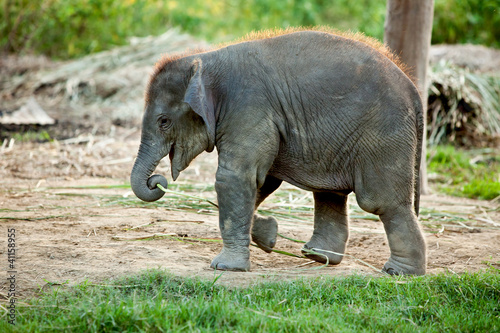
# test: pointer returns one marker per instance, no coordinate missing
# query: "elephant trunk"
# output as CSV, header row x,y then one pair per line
x,y
143,184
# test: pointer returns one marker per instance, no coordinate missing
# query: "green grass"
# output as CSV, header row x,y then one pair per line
x,y
26,135
473,173
155,301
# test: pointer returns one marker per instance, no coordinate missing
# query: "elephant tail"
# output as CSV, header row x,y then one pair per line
x,y
417,190
418,158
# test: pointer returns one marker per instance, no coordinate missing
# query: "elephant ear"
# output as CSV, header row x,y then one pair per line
x,y
201,100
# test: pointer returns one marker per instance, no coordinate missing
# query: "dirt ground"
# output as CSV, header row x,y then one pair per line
x,y
66,234
74,220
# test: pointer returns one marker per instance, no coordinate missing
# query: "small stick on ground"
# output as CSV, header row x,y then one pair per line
x,y
306,263
125,238
142,225
185,221
90,233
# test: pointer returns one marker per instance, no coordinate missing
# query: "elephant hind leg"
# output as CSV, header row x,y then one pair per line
x,y
265,229
391,198
330,234
265,232
407,245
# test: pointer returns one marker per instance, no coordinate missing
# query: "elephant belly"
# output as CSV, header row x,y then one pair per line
x,y
313,177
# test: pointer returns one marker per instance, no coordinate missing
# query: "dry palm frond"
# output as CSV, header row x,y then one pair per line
x,y
462,104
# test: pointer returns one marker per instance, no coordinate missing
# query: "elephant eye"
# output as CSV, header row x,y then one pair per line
x,y
164,123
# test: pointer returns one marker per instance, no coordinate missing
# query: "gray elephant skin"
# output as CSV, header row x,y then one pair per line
x,y
324,112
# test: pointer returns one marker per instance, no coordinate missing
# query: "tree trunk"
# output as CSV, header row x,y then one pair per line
x,y
408,29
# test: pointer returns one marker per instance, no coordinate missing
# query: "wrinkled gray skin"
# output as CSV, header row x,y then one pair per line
x,y
324,113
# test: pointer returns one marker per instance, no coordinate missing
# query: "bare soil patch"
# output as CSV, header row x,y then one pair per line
x,y
70,227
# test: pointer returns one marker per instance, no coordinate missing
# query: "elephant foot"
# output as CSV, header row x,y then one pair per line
x,y
401,266
232,259
264,232
323,251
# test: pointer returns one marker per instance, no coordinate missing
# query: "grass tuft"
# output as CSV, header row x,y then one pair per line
x,y
473,174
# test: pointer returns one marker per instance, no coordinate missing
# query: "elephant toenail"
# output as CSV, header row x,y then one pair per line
x,y
222,267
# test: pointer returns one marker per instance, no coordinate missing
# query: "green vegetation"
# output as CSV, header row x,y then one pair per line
x,y
469,21
158,302
29,135
65,29
473,174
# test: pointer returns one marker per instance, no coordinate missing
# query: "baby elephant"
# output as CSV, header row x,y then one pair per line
x,y
327,113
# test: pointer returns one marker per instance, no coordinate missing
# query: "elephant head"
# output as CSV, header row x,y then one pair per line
x,y
178,121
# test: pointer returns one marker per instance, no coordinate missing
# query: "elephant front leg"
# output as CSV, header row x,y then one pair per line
x,y
330,228
236,195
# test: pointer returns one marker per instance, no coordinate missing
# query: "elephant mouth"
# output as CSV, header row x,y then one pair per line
x,y
171,153
174,168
